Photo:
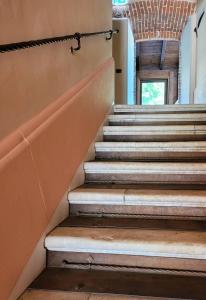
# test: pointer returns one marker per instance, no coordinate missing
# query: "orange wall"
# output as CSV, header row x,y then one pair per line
x,y
52,104
33,78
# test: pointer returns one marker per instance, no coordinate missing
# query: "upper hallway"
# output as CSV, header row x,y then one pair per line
x,y
169,45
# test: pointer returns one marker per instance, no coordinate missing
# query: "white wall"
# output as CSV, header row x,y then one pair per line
x,y
188,62
200,95
124,56
131,80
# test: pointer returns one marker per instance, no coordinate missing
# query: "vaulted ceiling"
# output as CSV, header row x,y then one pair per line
x,y
156,19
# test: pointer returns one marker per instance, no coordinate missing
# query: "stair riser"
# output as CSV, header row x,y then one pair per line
x,y
159,112
151,155
154,138
121,284
137,211
146,178
139,201
66,259
158,119
157,122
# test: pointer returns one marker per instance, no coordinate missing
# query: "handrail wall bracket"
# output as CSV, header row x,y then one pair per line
x,y
78,39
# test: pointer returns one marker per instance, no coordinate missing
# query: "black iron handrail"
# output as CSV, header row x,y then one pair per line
x,y
35,43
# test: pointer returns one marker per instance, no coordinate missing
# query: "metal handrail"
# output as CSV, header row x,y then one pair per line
x,y
35,43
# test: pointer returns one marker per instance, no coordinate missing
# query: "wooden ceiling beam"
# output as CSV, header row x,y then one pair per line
x,y
163,52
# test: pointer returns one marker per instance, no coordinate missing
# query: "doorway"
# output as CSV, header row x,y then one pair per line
x,y
157,64
153,92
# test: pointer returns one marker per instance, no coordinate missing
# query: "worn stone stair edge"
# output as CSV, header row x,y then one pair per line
x,y
145,167
138,242
140,197
158,146
156,128
146,117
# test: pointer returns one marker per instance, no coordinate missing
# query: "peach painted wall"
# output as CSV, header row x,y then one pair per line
x,y
51,106
33,78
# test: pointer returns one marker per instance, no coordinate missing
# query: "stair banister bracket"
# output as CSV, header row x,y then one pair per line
x,y
108,38
77,37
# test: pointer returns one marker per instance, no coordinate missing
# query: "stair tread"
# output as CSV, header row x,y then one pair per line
x,y
129,241
158,224
61,295
121,283
154,129
154,132
156,106
148,197
144,167
164,118
156,109
146,172
151,146
137,172
151,151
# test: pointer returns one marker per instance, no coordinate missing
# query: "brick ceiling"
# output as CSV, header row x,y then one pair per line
x,y
156,19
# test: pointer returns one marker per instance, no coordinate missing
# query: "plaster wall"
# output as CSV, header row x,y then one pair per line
x,y
33,78
200,93
131,76
120,55
188,62
124,56
52,104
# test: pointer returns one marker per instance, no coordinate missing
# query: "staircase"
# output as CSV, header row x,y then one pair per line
x,y
137,226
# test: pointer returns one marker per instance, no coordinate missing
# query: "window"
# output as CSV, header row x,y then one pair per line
x,y
153,92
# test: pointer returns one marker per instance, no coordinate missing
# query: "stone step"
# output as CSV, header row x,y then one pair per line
x,y
164,242
145,172
155,133
189,150
107,285
61,295
142,201
157,119
156,109
127,243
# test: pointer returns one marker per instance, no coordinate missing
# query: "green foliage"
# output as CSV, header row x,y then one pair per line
x,y
153,93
